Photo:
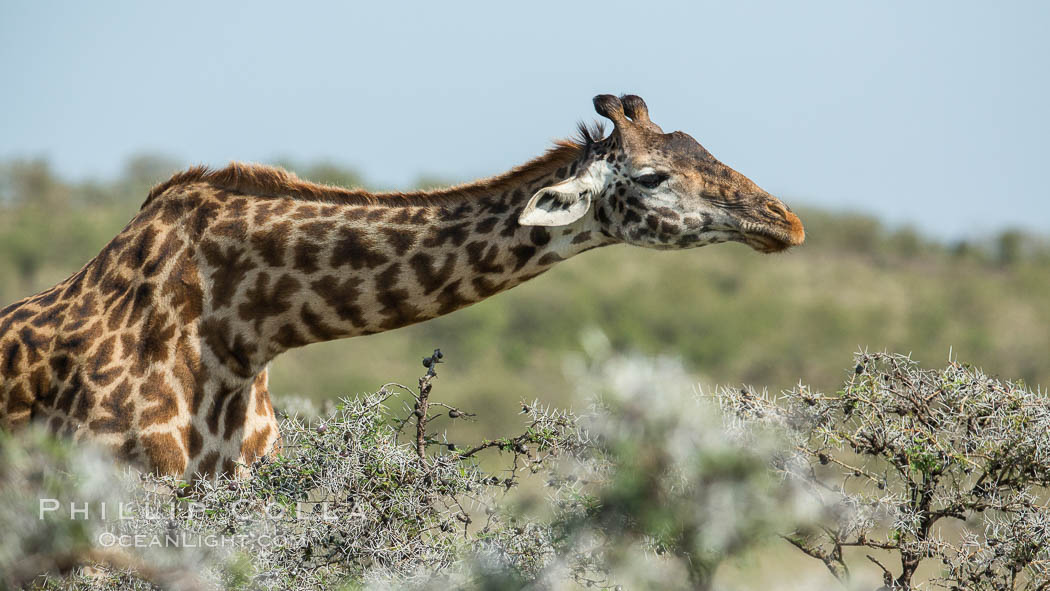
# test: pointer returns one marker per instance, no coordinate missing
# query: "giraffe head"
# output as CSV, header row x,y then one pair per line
x,y
661,190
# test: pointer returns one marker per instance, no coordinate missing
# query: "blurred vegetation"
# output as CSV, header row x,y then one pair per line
x,y
733,316
905,478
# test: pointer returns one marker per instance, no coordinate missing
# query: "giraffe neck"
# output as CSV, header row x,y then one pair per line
x,y
158,346
282,271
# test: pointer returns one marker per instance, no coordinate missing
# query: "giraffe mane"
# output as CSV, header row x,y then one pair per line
x,y
271,181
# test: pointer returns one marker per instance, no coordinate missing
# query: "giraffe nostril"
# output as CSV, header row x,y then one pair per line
x,y
777,210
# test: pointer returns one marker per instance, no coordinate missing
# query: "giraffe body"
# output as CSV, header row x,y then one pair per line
x,y
158,347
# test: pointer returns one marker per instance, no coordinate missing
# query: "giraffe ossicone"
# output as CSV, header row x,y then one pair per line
x,y
158,346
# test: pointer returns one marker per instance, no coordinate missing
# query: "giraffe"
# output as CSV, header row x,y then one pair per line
x,y
158,347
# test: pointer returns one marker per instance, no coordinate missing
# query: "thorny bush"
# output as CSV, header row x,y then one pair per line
x,y
946,470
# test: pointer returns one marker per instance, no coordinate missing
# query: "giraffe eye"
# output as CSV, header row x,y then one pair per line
x,y
651,181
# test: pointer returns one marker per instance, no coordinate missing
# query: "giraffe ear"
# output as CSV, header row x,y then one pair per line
x,y
557,205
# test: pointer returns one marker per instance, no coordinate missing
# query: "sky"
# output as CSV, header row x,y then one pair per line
x,y
931,113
